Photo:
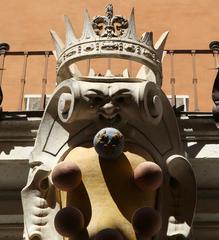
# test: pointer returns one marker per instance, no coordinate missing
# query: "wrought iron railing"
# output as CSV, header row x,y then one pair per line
x,y
210,65
171,68
42,77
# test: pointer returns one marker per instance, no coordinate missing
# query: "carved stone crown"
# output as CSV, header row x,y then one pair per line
x,y
108,37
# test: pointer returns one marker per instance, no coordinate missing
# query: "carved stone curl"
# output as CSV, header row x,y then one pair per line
x,y
39,204
153,107
183,191
66,107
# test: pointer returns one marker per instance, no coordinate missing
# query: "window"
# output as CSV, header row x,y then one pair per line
x,y
32,102
181,100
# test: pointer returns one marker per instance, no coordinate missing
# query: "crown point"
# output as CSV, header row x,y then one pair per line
x,y
86,13
142,72
59,45
126,73
159,45
131,31
70,35
147,38
74,70
91,73
109,73
146,74
88,31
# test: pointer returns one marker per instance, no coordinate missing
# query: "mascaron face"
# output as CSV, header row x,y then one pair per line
x,y
110,102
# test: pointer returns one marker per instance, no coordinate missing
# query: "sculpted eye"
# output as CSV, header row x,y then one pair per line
x,y
95,99
122,98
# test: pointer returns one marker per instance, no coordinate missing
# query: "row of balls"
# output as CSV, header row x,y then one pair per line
x,y
146,221
69,221
67,176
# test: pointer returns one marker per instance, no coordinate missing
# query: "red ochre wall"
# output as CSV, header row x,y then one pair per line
x,y
25,25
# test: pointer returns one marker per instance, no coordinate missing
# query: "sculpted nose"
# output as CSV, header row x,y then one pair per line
x,y
108,108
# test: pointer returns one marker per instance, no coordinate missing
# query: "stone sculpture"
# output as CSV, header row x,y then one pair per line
x,y
108,161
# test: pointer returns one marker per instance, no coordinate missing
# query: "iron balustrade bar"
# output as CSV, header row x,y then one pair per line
x,y
88,66
172,80
190,51
30,53
4,48
44,82
2,62
23,82
195,82
215,54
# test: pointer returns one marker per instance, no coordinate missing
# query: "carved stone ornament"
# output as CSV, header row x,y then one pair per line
x,y
113,36
109,26
108,161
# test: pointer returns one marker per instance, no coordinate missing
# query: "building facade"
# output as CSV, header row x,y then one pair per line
x,y
197,129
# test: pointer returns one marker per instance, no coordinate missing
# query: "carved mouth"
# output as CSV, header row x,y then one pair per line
x,y
113,118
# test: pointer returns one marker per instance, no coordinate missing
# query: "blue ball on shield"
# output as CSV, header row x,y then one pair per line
x,y
109,143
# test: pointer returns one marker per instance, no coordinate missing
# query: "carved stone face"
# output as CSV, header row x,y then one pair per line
x,y
110,102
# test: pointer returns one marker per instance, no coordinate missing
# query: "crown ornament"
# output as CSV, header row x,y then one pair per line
x,y
108,36
109,25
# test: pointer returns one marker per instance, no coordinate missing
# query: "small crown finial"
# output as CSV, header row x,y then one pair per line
x,y
109,10
109,25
